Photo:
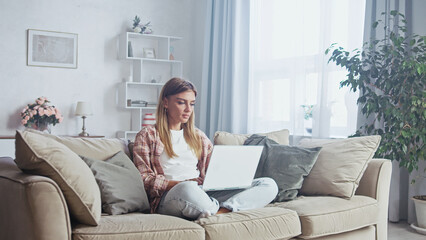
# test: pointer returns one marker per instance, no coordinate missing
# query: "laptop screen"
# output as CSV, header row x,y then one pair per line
x,y
232,167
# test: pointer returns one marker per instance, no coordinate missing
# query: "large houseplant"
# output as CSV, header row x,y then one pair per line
x,y
390,74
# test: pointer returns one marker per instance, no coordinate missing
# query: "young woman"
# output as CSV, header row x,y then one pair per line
x,y
173,157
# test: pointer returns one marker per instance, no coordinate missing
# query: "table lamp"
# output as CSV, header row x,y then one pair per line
x,y
83,109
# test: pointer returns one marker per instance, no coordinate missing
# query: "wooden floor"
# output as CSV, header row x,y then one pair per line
x,y
402,231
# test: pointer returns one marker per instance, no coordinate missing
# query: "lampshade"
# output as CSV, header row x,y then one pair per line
x,y
83,109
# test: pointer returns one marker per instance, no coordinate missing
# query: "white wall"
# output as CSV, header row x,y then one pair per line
x,y
97,23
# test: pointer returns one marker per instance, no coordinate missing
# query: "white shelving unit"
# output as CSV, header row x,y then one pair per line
x,y
144,69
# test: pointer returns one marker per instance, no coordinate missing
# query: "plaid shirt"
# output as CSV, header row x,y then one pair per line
x,y
146,156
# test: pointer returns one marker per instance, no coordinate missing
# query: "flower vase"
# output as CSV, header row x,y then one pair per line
x,y
307,123
42,127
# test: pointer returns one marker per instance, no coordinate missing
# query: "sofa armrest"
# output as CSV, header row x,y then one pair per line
x,y
32,206
375,183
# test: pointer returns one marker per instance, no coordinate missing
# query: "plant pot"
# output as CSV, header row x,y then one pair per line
x,y
420,205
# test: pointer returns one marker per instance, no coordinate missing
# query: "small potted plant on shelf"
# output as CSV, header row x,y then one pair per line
x,y
141,28
40,115
390,73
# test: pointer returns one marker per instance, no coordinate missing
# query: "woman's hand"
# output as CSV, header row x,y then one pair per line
x,y
171,184
198,180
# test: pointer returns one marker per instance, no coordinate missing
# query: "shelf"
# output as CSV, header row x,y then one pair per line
x,y
129,135
146,108
144,83
161,45
144,70
138,35
164,69
153,60
148,92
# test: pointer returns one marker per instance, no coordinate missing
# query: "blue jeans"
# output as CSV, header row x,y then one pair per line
x,y
188,200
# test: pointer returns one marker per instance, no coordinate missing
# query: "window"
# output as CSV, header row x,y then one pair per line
x,y
289,69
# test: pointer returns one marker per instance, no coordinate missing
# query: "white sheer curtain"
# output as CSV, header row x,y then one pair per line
x,y
288,67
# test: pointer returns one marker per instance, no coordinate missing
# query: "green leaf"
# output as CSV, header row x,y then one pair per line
x,y
405,134
410,168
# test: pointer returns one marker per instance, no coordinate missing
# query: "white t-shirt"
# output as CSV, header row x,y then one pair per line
x,y
182,167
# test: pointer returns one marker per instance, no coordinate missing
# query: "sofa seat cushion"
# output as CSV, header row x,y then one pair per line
x,y
321,216
360,234
139,226
263,223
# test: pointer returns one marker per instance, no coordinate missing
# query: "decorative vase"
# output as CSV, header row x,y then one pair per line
x,y
130,50
149,119
171,57
307,123
42,127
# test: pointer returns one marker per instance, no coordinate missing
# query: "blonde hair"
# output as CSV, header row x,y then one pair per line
x,y
172,87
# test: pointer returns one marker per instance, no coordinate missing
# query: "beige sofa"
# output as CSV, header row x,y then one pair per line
x,y
34,207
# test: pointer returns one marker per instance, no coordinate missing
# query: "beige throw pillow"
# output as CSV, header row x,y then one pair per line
x,y
96,148
41,155
226,138
340,165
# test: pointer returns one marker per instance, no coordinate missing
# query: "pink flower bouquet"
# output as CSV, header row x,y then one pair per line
x,y
40,113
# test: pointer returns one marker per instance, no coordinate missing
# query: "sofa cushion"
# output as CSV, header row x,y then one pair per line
x,y
340,165
326,215
40,155
95,148
263,223
226,138
121,185
360,234
139,226
287,165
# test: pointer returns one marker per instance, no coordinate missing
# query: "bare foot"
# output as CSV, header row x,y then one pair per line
x,y
223,210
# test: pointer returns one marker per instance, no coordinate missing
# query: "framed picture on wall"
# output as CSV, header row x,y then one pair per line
x,y
148,53
52,49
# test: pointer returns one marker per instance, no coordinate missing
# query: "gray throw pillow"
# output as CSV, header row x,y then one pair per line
x,y
121,185
287,165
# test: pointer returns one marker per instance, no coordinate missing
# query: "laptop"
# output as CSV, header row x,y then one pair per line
x,y
231,167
